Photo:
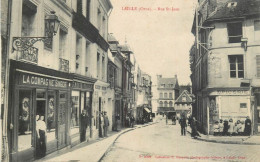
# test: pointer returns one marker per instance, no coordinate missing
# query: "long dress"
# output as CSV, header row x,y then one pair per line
x,y
41,140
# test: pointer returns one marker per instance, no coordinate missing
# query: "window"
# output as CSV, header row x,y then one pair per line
x,y
243,105
236,66
74,110
48,43
161,104
183,98
162,85
170,95
170,104
98,64
78,52
234,32
165,104
62,43
103,67
79,6
258,66
165,95
161,95
257,30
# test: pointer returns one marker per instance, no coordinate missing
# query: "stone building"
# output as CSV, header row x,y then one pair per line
x,y
55,77
225,62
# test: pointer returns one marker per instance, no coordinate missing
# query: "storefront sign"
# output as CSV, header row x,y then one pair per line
x,y
82,85
41,81
230,92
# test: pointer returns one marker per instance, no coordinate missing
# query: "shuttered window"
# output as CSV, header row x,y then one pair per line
x,y
258,66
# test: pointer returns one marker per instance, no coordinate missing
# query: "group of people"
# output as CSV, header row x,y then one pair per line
x,y
130,119
229,128
104,124
192,122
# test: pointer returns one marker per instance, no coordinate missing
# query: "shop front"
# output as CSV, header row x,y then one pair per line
x,y
256,109
37,94
81,99
228,104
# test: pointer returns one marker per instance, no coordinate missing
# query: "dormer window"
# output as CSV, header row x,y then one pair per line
x,y
232,4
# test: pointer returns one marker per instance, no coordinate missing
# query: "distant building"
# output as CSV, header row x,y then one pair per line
x,y
168,90
183,103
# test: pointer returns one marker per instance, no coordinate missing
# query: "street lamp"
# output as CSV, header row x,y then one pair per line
x,y
52,24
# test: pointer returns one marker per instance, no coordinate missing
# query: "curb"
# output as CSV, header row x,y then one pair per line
x,y
224,142
110,146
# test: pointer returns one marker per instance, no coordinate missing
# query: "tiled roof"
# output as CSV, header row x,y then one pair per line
x,y
188,98
112,39
240,9
126,48
167,81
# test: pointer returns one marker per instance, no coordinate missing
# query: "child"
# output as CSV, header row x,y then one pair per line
x,y
235,133
242,128
239,128
230,127
216,128
221,127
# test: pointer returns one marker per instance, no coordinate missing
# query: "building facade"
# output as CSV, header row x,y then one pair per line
x,y
168,90
58,77
225,62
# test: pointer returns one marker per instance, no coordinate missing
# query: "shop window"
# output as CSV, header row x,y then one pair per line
x,y
257,30
236,66
25,120
243,105
51,120
234,32
74,121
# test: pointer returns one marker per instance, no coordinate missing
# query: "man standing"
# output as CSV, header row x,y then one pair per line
x,y
247,126
117,122
83,125
183,125
106,123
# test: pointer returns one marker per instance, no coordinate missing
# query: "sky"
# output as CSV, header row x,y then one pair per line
x,y
160,39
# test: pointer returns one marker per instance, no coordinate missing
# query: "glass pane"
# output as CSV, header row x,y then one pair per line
x,y
233,74
232,59
74,124
234,29
232,66
51,120
25,121
240,66
240,74
235,39
240,59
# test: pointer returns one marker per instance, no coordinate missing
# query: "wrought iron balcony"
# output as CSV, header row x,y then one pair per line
x,y
64,65
29,55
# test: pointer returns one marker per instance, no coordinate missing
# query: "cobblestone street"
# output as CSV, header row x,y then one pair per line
x,y
161,142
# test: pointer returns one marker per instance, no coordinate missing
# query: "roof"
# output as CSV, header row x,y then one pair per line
x,y
113,47
126,48
188,98
112,39
168,81
240,9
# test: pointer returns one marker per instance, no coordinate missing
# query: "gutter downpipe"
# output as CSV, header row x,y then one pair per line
x,y
6,88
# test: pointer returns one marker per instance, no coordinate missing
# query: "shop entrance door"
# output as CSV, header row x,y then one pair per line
x,y
257,100
62,119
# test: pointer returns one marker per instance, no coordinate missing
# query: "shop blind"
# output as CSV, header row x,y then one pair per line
x,y
258,66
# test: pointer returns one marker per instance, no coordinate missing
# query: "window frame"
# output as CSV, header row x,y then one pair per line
x,y
234,36
236,63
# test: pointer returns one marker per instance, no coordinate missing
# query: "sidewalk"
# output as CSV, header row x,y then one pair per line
x,y
244,140
89,151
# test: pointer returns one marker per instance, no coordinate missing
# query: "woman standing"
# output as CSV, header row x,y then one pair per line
x,y
41,131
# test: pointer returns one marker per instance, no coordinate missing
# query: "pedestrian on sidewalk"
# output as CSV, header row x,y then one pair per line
x,y
247,126
106,123
221,127
183,124
194,131
83,125
230,127
216,128
166,117
225,130
132,120
117,122
101,124
239,128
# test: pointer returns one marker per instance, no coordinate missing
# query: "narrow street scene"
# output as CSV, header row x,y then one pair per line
x,y
130,80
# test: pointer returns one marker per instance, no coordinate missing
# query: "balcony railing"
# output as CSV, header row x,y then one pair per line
x,y
29,55
64,65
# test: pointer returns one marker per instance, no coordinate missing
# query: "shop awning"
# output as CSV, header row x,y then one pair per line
x,y
147,110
